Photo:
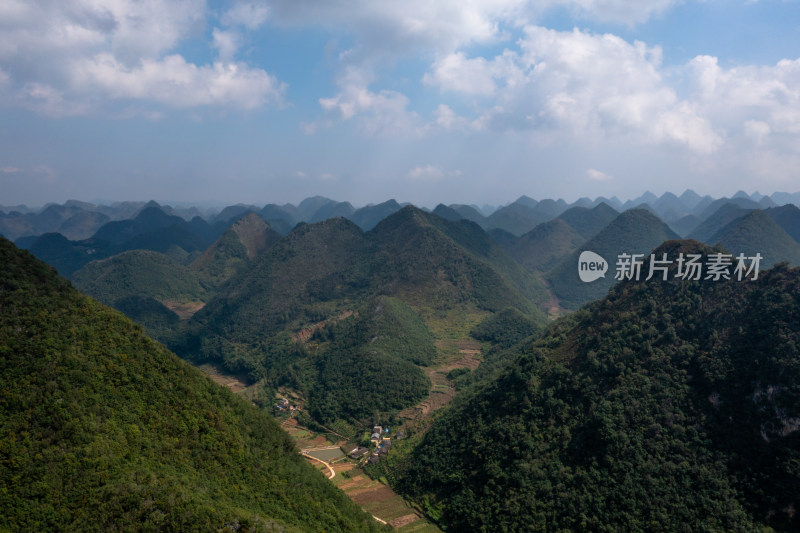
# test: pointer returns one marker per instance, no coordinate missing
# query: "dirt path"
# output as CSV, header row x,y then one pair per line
x,y
331,471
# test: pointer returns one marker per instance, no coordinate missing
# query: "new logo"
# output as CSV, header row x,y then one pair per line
x,y
591,266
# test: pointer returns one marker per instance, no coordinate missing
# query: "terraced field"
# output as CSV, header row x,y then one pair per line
x,y
379,500
463,353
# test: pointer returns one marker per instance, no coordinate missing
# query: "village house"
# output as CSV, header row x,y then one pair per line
x,y
358,453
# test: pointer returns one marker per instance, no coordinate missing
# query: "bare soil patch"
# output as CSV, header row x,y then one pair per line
x,y
184,310
235,384
397,523
319,441
341,468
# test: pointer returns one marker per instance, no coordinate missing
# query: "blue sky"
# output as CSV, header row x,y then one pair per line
x,y
447,101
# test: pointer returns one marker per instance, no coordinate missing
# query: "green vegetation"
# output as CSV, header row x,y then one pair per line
x,y
636,231
516,218
289,318
545,245
506,328
231,254
787,217
720,218
755,233
589,222
666,406
141,273
455,260
399,332
105,430
360,377
159,322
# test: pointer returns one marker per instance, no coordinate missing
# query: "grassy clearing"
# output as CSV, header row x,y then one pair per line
x,y
455,323
219,377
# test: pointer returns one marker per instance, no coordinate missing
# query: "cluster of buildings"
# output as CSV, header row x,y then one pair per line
x,y
380,440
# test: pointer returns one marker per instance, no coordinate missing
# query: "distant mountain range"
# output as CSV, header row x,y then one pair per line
x,y
544,237
81,220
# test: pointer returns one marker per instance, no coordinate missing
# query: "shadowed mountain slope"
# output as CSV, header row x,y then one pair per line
x,y
755,233
545,245
589,222
723,216
636,231
787,217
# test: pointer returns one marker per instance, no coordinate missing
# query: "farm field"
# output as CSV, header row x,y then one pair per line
x,y
382,502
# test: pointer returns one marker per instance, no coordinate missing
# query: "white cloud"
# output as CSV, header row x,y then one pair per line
x,y
77,57
597,175
9,170
403,26
445,117
136,29
444,26
175,82
45,173
428,172
431,173
757,130
591,86
383,113
226,42
386,31
47,100
475,76
248,14
739,96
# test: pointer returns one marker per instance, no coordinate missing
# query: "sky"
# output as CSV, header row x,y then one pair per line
x,y
453,101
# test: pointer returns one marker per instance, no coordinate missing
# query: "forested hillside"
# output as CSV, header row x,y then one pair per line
x,y
105,430
245,240
138,273
365,296
666,406
633,231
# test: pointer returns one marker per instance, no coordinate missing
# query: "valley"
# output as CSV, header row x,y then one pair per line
x,y
455,350
494,266
446,370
